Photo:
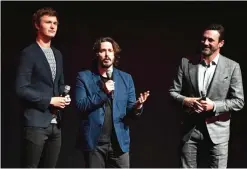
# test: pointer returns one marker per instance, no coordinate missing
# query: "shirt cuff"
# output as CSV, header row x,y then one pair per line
x,y
214,110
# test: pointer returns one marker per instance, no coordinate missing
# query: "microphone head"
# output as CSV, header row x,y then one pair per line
x,y
109,73
203,93
66,89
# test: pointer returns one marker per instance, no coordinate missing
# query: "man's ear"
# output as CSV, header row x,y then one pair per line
x,y
221,44
36,26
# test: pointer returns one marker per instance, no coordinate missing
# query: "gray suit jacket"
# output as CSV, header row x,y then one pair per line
x,y
225,89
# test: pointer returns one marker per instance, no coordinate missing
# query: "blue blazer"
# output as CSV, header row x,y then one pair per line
x,y
90,101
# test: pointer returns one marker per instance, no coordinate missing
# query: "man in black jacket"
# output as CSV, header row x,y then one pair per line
x,y
39,84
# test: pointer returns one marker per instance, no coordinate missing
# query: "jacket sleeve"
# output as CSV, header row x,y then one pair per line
x,y
235,99
131,108
24,87
84,101
177,85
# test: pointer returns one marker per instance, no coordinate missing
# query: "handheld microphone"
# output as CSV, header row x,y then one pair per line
x,y
109,76
203,95
66,90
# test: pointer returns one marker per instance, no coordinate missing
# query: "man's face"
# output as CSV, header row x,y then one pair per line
x,y
106,55
48,26
210,42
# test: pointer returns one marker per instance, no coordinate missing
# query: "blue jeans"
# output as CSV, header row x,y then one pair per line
x,y
200,144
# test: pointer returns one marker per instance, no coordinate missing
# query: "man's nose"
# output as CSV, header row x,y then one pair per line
x,y
53,26
206,42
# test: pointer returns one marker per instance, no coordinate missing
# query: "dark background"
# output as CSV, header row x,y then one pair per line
x,y
154,36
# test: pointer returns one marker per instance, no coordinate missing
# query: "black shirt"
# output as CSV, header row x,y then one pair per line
x,y
107,128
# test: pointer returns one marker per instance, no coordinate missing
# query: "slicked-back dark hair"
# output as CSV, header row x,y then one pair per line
x,y
217,27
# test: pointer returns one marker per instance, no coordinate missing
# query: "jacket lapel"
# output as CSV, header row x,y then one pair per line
x,y
116,80
98,82
220,69
193,74
45,62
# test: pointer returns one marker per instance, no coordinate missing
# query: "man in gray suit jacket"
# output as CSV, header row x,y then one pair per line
x,y
208,88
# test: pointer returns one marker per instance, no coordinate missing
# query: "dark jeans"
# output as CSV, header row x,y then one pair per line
x,y
41,146
200,147
106,156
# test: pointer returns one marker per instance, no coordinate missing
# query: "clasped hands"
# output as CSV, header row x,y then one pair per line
x,y
198,105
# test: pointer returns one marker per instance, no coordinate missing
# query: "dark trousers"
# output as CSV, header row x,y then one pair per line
x,y
106,156
41,146
199,149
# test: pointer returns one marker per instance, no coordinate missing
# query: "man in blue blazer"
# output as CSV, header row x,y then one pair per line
x,y
39,84
105,99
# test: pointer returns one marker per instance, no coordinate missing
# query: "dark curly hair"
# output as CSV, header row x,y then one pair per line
x,y
116,48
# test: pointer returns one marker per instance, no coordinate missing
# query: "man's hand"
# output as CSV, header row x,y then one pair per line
x,y
142,98
194,104
109,86
59,102
207,104
67,100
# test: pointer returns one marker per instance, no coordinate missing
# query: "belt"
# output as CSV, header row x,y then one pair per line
x,y
222,117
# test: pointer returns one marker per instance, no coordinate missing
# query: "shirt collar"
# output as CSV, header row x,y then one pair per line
x,y
213,62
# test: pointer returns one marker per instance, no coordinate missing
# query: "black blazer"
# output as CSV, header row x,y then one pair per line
x,y
35,87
